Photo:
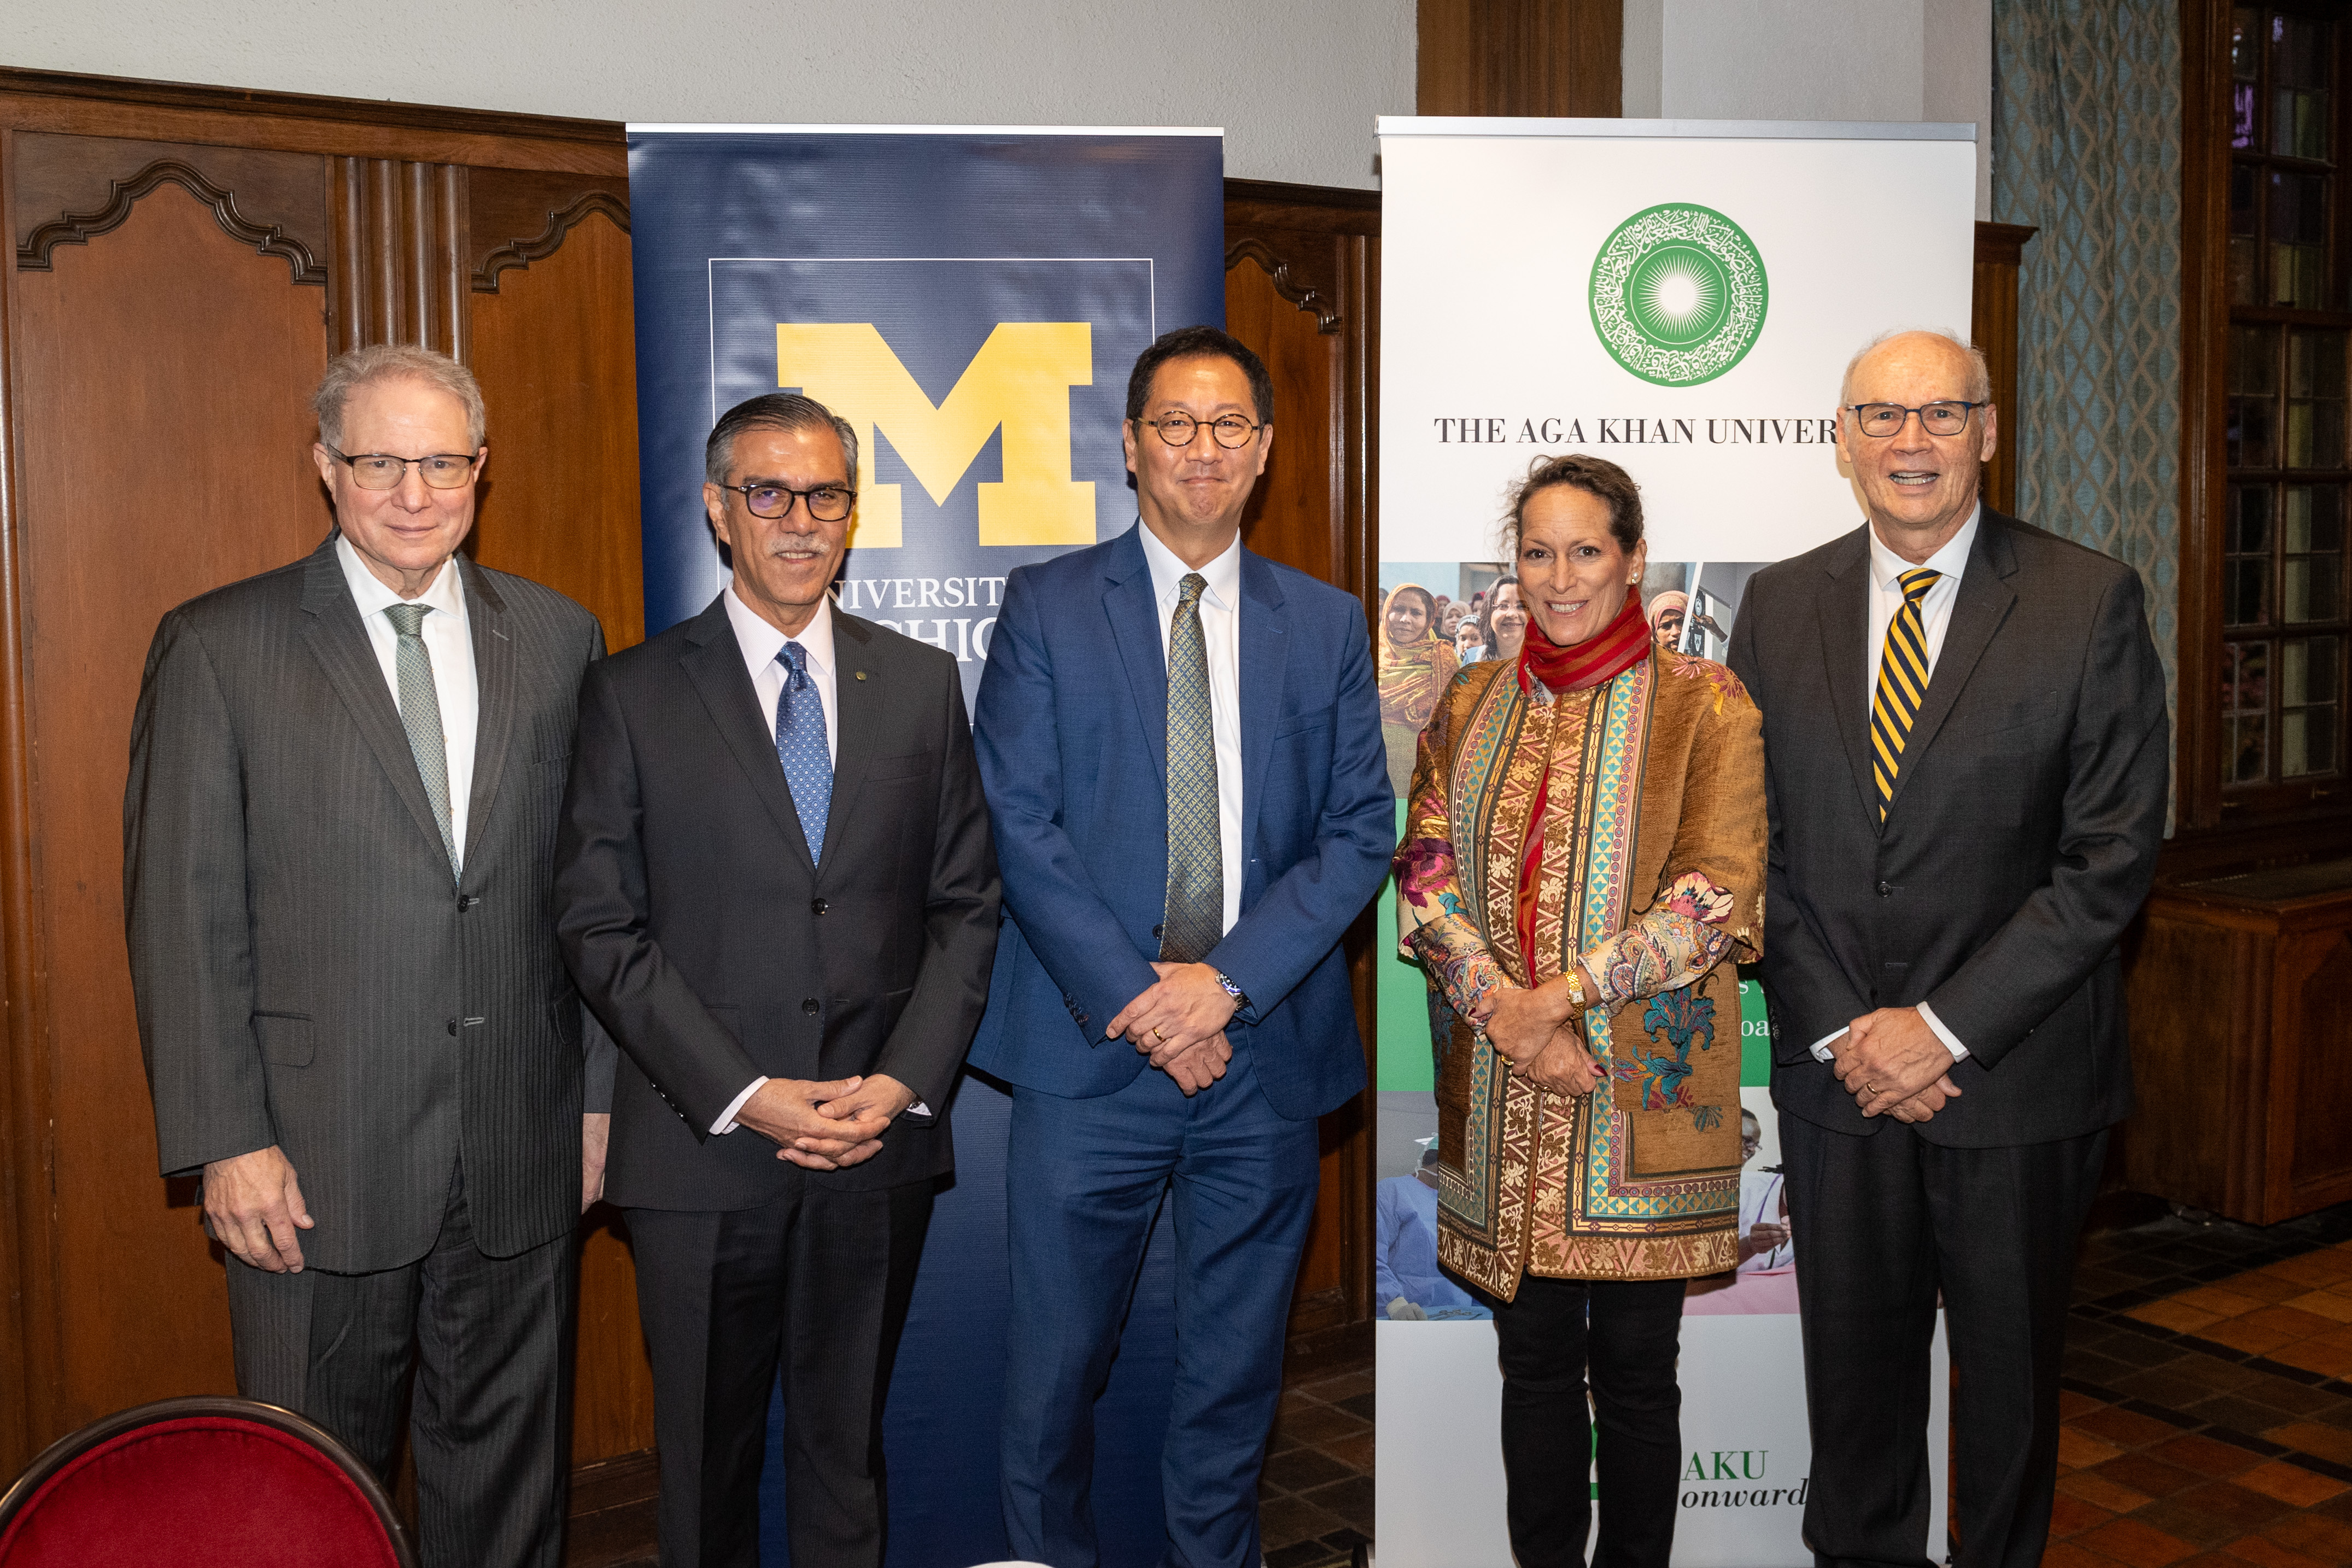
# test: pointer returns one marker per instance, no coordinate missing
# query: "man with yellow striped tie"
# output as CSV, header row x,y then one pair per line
x,y
1965,753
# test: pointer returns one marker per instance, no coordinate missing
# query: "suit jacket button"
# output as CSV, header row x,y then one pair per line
x,y
453,1025
466,901
818,906
1160,930
808,1006
1886,891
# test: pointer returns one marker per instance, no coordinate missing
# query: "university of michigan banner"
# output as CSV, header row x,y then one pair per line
x,y
972,299
1682,299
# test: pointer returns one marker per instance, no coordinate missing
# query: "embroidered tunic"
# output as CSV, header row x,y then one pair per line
x,y
1651,868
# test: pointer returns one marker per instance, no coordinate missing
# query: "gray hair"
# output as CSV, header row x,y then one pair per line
x,y
784,411
347,373
1980,373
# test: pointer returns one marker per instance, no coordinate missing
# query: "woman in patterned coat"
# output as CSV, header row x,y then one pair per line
x,y
1582,867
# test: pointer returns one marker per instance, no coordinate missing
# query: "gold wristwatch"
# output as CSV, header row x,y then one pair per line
x,y
1577,999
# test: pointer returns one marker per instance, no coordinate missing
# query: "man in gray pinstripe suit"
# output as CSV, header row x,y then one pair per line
x,y
338,836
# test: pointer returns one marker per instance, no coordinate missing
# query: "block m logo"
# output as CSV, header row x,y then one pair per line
x,y
1020,380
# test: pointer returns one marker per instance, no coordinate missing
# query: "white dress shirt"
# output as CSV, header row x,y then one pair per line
x,y
449,644
1886,570
760,643
1221,639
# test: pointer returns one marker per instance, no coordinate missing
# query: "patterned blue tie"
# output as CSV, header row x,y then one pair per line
x,y
800,746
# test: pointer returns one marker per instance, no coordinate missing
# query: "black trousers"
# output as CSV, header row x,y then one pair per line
x,y
817,1281
491,1342
1622,1336
1882,1224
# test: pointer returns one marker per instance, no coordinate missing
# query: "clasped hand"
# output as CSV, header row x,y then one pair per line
x,y
1895,1065
1541,1034
825,1126
1179,1023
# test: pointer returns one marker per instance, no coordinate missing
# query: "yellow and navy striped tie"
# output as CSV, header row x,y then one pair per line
x,y
1902,684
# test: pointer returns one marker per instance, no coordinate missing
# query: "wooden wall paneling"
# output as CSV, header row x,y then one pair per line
x,y
2313,1150
28,1302
555,350
399,273
159,453
1992,326
1543,58
302,122
1301,273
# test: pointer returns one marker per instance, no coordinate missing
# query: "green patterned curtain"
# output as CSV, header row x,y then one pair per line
x,y
2086,148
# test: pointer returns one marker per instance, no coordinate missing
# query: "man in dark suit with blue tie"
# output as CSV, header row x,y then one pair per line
x,y
774,884
1180,743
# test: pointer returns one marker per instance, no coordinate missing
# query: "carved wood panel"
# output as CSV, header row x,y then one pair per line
x,y
162,448
69,189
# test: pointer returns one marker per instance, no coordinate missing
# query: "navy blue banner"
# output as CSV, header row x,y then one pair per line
x,y
973,301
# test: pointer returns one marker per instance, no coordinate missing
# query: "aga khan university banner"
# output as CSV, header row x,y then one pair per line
x,y
1681,298
972,300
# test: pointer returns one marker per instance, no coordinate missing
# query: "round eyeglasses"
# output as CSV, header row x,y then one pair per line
x,y
827,503
1230,430
1884,419
382,471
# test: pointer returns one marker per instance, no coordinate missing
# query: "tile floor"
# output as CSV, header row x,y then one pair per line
x,y
2208,1412
1315,1500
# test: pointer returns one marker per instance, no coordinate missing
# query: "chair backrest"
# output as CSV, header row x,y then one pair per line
x,y
198,1482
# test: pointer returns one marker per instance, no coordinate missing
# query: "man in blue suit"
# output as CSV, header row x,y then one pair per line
x,y
1181,743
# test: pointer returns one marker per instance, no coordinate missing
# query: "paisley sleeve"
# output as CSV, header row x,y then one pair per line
x,y
1710,900
1433,923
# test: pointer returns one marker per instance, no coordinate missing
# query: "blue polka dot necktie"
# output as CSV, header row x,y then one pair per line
x,y
1195,921
800,746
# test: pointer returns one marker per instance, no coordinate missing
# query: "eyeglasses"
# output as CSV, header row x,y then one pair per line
x,y
1884,419
1231,430
827,503
382,471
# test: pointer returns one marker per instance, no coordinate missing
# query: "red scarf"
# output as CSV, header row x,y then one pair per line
x,y
1609,652
1615,649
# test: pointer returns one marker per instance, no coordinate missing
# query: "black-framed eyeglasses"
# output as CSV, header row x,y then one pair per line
x,y
382,471
1884,419
827,503
1230,430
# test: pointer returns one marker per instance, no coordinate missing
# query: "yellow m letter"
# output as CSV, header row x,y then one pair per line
x,y
1021,380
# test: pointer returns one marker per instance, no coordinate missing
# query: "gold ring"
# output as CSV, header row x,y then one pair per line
x,y
1158,1034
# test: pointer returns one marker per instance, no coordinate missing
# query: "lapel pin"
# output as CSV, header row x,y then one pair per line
x,y
861,675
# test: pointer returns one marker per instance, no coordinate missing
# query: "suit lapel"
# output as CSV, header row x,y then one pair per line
x,y
494,696
1843,602
340,644
859,701
1265,663
714,667
1135,624
1984,601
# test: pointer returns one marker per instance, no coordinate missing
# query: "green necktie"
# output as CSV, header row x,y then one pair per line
x,y
1195,921
1902,685
420,715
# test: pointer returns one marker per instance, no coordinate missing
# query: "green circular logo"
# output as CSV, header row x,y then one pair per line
x,y
1678,294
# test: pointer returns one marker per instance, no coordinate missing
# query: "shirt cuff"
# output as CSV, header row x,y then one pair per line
x,y
1821,1052
917,1108
1951,1041
725,1122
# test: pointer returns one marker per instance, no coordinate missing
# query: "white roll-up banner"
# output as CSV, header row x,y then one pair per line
x,y
1681,298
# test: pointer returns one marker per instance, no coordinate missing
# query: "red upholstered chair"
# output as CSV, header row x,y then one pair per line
x,y
199,1482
